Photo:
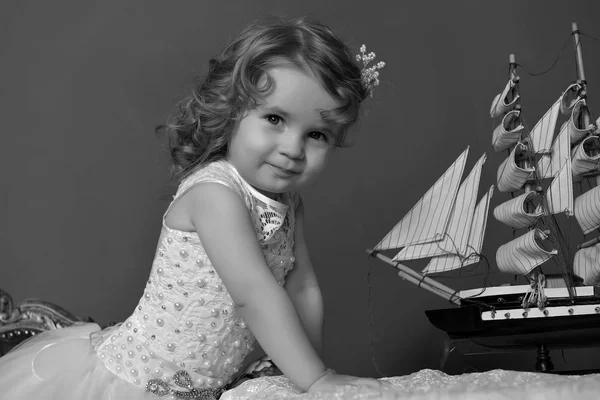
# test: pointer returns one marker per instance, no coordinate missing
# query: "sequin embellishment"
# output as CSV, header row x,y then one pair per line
x,y
182,379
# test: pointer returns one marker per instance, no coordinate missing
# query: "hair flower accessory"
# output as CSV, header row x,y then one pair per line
x,y
370,75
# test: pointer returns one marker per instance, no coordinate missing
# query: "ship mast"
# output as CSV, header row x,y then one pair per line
x,y
586,118
524,160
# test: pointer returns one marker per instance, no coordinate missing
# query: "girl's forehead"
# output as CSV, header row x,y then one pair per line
x,y
298,91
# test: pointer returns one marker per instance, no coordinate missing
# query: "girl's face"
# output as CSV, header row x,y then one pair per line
x,y
283,144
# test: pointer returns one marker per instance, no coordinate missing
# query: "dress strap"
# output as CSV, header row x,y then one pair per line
x,y
221,172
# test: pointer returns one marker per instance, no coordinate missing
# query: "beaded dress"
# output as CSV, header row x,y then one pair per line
x,y
184,339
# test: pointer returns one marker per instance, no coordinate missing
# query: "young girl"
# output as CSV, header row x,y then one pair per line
x,y
231,264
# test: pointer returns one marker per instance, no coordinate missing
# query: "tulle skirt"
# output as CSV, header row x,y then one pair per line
x,y
61,364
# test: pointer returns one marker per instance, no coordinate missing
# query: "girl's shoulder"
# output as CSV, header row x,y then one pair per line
x,y
220,171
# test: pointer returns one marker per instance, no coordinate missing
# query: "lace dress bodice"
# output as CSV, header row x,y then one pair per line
x,y
186,320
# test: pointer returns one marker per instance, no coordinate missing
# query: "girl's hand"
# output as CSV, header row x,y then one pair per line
x,y
330,380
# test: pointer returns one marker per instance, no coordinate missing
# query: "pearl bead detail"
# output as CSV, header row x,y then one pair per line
x,y
178,306
183,253
160,322
171,347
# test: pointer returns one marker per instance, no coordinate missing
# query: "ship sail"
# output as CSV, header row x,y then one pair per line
x,y
583,160
515,212
559,196
586,264
543,132
508,132
506,100
474,245
523,254
577,129
550,164
428,220
587,210
456,236
569,97
511,177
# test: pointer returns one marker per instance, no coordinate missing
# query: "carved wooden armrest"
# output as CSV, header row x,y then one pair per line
x,y
29,318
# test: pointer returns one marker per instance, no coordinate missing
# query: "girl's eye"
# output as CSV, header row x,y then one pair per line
x,y
273,119
317,136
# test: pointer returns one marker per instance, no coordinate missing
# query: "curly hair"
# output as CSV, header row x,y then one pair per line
x,y
200,126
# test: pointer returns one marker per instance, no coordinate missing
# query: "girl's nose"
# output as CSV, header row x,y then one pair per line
x,y
292,145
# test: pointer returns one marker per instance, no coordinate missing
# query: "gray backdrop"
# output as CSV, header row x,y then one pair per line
x,y
86,180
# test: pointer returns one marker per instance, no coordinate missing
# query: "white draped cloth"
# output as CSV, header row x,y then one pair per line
x,y
430,384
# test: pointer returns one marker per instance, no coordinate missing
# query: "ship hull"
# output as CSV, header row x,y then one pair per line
x,y
466,322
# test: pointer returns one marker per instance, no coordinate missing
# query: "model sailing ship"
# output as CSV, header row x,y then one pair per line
x,y
448,224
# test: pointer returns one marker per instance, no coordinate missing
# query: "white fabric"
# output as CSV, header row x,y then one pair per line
x,y
435,385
